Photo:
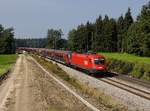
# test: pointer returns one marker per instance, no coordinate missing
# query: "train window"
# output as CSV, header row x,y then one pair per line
x,y
99,61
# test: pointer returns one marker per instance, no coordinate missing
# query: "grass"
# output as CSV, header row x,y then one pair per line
x,y
6,61
127,57
123,63
102,98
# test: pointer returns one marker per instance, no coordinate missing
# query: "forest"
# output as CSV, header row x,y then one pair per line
x,y
35,43
114,35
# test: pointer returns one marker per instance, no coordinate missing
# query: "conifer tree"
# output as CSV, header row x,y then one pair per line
x,y
120,32
128,20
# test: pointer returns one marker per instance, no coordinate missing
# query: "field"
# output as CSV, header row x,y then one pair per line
x,y
127,57
6,61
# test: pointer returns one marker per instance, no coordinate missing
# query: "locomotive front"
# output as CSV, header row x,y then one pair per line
x,y
99,64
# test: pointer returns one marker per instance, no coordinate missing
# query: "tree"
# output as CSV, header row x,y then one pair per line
x,y
82,36
7,43
113,36
62,44
72,44
1,39
53,36
145,12
139,34
98,38
109,30
133,41
128,20
120,32
105,41
89,36
144,21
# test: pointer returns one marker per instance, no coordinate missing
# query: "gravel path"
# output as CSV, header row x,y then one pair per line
x,y
7,86
132,101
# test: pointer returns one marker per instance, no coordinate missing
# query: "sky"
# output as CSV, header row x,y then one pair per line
x,y
32,18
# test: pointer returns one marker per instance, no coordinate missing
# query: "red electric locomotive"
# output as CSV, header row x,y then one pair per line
x,y
94,63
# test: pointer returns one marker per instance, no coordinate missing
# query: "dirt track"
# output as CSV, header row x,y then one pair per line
x,y
29,89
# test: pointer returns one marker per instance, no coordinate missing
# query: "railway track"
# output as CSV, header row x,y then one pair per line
x,y
133,80
136,91
123,85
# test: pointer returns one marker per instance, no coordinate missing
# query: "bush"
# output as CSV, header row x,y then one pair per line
x,y
137,70
127,68
120,66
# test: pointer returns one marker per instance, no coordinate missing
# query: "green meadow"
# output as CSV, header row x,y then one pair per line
x,y
6,62
127,57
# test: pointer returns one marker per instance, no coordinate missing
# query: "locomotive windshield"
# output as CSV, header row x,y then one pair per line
x,y
99,61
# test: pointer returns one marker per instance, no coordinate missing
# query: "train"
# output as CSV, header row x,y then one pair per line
x,y
91,62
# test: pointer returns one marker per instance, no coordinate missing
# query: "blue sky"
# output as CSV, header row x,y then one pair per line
x,y
32,18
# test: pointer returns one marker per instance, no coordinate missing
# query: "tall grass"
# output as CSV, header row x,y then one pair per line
x,y
6,61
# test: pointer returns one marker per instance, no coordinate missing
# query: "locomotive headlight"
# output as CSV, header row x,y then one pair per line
x,y
100,67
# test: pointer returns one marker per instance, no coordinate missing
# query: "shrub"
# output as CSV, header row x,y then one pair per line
x,y
134,69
